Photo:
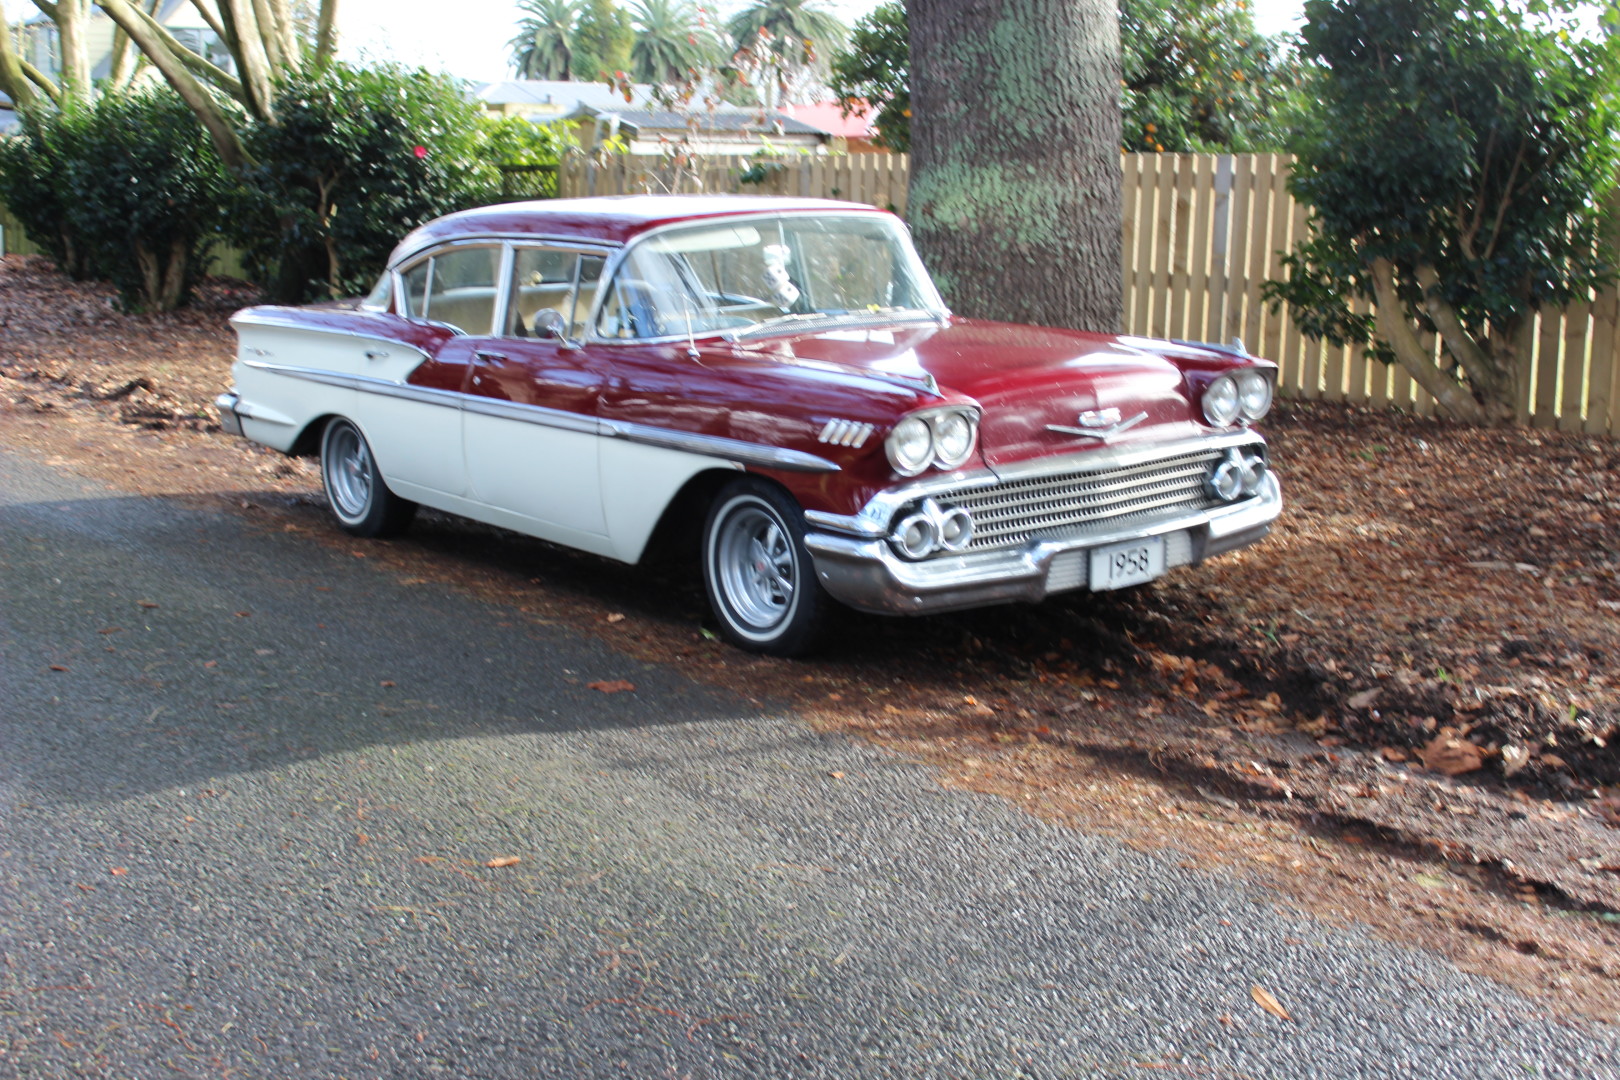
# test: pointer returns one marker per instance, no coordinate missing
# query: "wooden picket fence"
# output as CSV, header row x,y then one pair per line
x,y
1202,233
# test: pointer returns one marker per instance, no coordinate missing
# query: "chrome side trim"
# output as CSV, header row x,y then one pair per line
x,y
531,414
768,457
229,421
293,320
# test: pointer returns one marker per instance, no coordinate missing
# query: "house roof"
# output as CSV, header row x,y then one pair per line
x,y
737,120
561,95
828,116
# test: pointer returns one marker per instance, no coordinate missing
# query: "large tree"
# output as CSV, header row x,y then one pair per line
x,y
672,41
1455,167
1197,76
1015,183
794,39
544,46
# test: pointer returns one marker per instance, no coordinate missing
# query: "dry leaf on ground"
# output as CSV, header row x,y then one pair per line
x,y
1264,999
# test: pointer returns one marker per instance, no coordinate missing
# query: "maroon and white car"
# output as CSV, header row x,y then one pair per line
x,y
779,374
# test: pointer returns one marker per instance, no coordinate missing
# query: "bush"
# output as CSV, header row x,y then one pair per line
x,y
355,158
127,190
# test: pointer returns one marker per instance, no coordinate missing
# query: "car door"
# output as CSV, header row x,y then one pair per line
x,y
412,412
530,414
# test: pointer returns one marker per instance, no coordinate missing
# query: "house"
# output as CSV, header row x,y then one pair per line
x,y
546,100
39,42
729,130
852,134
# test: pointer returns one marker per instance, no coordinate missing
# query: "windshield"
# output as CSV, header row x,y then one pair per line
x,y
748,274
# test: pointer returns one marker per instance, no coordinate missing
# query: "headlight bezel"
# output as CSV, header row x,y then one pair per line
x,y
936,422
1238,397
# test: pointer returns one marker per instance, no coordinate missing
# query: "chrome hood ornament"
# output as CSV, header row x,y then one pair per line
x,y
1102,424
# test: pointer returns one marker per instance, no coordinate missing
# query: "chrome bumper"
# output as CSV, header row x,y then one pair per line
x,y
229,421
867,575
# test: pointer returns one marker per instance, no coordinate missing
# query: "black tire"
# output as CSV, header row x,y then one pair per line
x,y
760,579
355,490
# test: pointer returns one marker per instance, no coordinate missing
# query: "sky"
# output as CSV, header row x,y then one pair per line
x,y
468,38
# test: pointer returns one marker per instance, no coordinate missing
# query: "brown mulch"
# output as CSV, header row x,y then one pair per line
x,y
1399,710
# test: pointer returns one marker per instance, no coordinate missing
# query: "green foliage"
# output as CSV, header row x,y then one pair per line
x,y
795,39
355,158
603,34
672,41
1198,77
876,69
1460,149
544,45
126,189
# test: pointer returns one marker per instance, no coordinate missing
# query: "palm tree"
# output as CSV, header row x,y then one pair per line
x,y
672,39
544,45
795,38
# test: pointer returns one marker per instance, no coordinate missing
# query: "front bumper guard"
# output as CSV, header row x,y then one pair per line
x,y
866,574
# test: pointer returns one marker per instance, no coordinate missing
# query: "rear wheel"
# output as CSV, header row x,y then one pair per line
x,y
760,579
355,490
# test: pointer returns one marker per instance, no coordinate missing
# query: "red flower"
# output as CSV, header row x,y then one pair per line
x,y
420,151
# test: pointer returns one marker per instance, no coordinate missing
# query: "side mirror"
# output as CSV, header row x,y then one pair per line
x,y
550,325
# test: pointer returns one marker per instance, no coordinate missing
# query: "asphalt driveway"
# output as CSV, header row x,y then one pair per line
x,y
251,792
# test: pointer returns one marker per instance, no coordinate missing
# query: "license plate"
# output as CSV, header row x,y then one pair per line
x,y
1130,563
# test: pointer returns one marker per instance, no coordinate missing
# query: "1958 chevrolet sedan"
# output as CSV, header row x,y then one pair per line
x,y
779,374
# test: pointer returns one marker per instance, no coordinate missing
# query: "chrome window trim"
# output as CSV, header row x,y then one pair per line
x,y
273,317
715,446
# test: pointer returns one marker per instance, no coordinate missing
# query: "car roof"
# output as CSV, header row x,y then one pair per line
x,y
610,219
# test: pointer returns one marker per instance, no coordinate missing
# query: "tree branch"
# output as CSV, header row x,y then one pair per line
x,y
13,82
326,33
214,24
1409,351
197,65
192,92
41,80
251,58
1507,198
1458,341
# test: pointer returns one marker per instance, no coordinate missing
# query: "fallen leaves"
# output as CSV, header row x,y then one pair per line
x,y
503,862
1267,1001
611,686
1450,755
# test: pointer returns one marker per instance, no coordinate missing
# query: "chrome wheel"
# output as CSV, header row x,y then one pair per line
x,y
355,490
349,472
761,584
756,567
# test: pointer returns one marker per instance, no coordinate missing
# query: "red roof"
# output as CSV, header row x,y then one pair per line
x,y
829,116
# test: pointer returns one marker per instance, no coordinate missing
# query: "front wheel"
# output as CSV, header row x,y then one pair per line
x,y
355,490
760,579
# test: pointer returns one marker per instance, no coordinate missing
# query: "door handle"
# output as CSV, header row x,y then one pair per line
x,y
376,354
493,359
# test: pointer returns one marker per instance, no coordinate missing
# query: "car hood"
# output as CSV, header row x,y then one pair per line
x,y
1029,380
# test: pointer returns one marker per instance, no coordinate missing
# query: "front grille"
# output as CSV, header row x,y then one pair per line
x,y
1070,504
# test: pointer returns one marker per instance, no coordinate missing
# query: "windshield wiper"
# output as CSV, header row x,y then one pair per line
x,y
857,316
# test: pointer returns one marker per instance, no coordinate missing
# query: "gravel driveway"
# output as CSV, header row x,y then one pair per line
x,y
251,789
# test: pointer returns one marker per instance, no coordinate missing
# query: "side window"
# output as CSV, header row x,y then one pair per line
x,y
461,290
416,285
543,280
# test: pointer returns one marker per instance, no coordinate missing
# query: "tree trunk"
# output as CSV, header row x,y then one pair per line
x,y
13,83
1395,328
1015,170
72,17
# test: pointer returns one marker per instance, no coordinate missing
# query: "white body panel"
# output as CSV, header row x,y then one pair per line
x,y
638,482
537,471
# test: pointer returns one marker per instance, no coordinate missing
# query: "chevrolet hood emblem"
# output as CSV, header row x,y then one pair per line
x,y
1101,424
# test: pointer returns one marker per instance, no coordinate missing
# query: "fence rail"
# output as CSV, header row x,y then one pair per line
x,y
1201,234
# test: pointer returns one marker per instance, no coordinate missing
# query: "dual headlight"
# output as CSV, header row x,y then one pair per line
x,y
1244,394
943,437
1240,474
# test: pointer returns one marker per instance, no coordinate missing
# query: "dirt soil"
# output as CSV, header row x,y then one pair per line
x,y
1400,710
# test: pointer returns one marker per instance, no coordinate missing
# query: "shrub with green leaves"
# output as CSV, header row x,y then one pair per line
x,y
127,189
355,159
1456,164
